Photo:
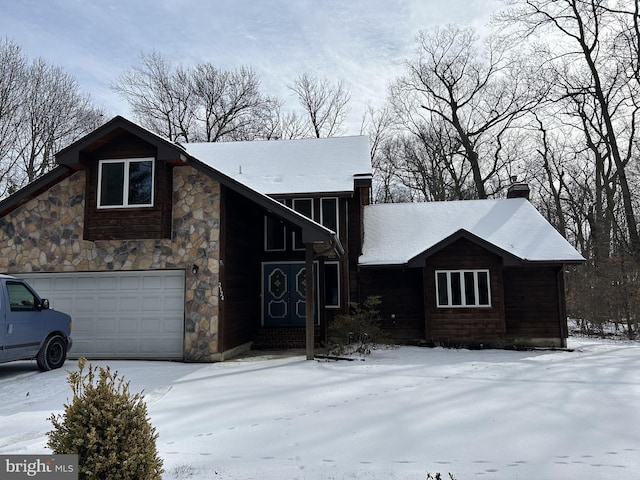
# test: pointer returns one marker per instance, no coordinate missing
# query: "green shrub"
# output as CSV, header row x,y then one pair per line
x,y
358,332
107,427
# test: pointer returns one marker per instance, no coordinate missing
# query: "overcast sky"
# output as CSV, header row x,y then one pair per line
x,y
362,42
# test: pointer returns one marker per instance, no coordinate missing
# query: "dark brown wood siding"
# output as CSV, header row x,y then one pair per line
x,y
128,223
240,272
464,326
533,302
353,244
401,293
350,234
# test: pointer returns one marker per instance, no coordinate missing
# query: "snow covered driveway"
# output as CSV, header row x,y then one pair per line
x,y
403,412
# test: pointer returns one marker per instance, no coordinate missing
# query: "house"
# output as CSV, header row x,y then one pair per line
x,y
158,254
468,273
197,252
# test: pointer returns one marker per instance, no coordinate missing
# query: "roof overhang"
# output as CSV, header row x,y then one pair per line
x,y
71,156
33,189
508,259
325,241
70,159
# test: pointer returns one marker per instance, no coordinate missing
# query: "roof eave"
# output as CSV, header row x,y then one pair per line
x,y
558,261
166,150
33,189
508,257
383,265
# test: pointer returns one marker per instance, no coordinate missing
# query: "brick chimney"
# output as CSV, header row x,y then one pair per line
x,y
518,189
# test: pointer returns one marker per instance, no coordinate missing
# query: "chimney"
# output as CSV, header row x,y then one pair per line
x,y
518,189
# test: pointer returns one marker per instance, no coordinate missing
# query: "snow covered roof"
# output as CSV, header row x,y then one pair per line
x,y
397,233
311,165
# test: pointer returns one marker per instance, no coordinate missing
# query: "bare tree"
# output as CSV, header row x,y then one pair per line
x,y
287,125
12,71
199,104
325,105
41,111
159,97
229,105
477,95
593,49
53,113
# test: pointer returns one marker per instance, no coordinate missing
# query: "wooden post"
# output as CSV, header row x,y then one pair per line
x,y
309,296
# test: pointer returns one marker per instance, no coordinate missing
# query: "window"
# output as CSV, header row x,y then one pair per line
x,y
125,183
21,299
463,288
332,284
329,213
305,207
274,235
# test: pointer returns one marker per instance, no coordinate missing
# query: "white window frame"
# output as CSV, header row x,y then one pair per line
x,y
125,187
463,296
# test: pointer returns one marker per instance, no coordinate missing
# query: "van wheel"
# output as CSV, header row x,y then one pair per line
x,y
52,354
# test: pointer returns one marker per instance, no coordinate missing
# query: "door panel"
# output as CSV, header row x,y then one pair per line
x,y
284,294
24,322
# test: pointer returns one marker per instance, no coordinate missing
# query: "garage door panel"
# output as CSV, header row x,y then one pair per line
x,y
119,314
167,304
44,284
81,305
64,303
104,347
107,283
85,283
105,303
129,304
129,326
152,283
151,326
128,346
132,283
106,326
69,285
82,327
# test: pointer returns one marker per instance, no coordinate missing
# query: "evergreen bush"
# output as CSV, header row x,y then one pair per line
x,y
107,427
359,331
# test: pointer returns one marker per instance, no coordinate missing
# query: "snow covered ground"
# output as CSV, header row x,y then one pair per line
x,y
399,414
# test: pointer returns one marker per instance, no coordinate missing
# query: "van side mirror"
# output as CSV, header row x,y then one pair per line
x,y
44,304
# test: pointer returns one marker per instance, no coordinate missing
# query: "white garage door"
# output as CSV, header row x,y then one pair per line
x,y
125,314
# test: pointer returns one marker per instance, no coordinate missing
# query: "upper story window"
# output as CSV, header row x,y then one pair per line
x,y
125,183
329,213
463,288
274,235
305,207
324,211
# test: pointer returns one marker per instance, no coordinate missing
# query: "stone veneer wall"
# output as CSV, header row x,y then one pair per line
x,y
45,235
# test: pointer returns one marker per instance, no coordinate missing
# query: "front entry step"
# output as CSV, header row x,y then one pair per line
x,y
278,338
